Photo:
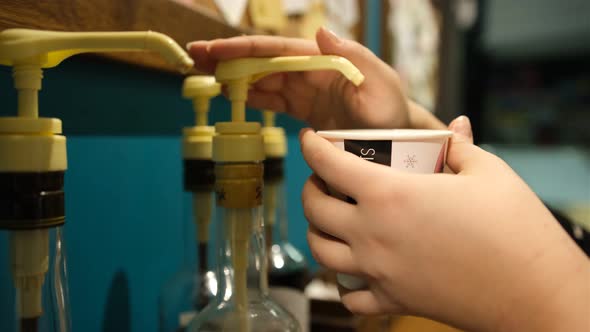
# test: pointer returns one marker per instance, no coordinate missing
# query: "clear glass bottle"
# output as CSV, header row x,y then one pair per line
x,y
189,290
287,271
242,302
31,223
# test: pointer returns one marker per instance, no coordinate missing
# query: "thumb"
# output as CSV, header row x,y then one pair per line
x,y
461,128
462,154
367,62
377,73
329,43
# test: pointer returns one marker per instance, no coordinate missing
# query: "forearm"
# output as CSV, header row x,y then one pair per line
x,y
574,302
420,118
561,303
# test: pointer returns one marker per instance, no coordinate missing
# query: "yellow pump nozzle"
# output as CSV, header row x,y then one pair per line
x,y
49,48
28,51
240,144
197,144
200,89
198,139
275,140
268,119
32,144
238,74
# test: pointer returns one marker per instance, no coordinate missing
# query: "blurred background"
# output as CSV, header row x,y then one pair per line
x,y
519,69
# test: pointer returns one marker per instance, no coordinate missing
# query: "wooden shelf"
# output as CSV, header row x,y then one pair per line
x,y
183,20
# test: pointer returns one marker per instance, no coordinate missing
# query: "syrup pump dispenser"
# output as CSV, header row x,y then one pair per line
x,y
190,289
33,163
287,270
242,302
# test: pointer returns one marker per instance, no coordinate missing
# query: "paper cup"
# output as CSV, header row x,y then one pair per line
x,y
406,150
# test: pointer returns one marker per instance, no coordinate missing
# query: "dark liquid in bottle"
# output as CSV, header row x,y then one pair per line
x,y
29,324
295,279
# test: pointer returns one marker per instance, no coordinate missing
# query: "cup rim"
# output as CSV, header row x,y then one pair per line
x,y
385,134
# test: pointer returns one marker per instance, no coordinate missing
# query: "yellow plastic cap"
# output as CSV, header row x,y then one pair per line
x,y
238,142
200,86
275,142
18,125
31,145
197,142
32,153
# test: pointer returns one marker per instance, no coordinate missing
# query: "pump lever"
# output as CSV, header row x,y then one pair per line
x,y
49,48
239,73
257,68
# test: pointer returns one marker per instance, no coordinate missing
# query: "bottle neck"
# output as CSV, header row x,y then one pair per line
x,y
242,257
198,182
202,260
197,214
287,267
275,212
282,225
275,204
242,264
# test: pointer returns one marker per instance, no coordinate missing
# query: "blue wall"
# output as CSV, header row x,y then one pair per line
x,y
123,186
373,25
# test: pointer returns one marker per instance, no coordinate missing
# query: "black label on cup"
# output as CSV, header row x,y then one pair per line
x,y
375,151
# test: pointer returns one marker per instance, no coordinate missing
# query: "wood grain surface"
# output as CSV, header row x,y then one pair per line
x,y
183,20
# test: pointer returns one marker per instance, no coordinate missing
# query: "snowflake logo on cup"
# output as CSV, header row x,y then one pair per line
x,y
410,161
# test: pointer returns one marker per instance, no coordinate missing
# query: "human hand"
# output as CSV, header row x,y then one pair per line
x,y
477,250
323,99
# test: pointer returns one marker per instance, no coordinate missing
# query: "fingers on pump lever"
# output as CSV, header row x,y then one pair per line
x,y
208,53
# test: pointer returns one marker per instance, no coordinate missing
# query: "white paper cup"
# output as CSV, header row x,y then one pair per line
x,y
408,150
